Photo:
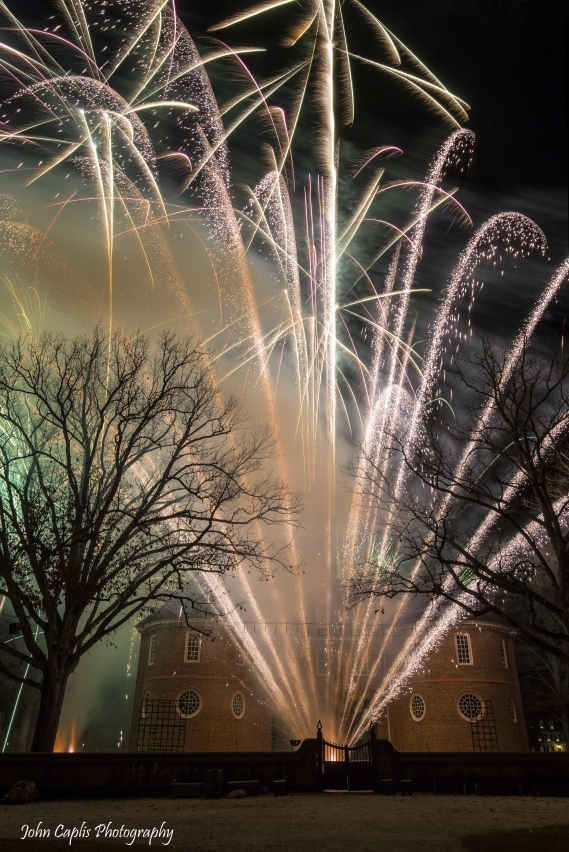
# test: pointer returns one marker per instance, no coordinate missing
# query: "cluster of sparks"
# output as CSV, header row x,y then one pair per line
x,y
115,93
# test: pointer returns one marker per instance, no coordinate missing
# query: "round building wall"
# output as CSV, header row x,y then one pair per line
x,y
466,697
196,692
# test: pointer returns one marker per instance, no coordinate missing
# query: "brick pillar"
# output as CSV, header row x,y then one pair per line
x,y
374,759
320,756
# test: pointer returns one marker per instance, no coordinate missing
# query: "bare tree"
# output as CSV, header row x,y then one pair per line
x,y
121,470
484,519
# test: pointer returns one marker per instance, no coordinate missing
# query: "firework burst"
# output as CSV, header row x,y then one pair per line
x,y
116,93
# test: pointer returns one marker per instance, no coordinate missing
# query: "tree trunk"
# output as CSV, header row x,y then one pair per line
x,y
565,725
51,702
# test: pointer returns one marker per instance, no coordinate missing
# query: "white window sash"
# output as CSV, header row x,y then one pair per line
x,y
460,649
152,649
190,639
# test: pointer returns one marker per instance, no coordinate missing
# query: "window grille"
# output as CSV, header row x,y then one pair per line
x,y
152,649
417,707
470,706
512,709
238,705
483,729
322,661
504,653
161,727
239,661
193,647
463,652
189,703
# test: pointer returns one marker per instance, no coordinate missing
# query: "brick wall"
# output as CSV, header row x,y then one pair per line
x,y
441,682
525,768
79,775
216,677
68,776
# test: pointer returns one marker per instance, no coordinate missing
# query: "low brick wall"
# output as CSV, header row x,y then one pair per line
x,y
526,768
85,775
65,776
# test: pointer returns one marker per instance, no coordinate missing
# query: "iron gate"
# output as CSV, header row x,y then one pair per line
x,y
343,767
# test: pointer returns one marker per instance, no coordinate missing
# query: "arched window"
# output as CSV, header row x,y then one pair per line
x,y
238,705
189,703
417,707
470,706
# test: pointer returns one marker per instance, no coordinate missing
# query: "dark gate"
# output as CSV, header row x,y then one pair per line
x,y
347,767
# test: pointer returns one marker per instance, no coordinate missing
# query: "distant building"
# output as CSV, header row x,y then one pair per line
x,y
546,735
196,690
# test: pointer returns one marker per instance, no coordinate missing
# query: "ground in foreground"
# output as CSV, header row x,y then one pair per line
x,y
303,823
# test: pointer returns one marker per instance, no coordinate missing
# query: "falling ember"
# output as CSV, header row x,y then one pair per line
x,y
135,123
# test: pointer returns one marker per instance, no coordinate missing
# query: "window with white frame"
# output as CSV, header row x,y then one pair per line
x,y
152,649
238,705
239,661
322,661
189,703
193,647
504,653
470,706
145,704
417,707
463,649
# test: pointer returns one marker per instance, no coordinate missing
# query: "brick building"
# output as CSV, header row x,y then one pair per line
x,y
465,698
195,691
545,734
198,692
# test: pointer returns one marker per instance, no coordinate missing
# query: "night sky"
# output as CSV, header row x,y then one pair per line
x,y
506,58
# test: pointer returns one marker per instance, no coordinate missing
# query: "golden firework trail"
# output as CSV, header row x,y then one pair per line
x,y
116,93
